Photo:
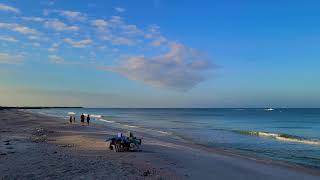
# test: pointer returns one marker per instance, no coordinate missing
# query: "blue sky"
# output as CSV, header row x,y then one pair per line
x,y
160,53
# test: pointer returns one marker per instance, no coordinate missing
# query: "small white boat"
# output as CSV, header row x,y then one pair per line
x,y
269,109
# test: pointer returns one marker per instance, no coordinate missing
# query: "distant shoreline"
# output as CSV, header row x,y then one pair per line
x,y
36,107
68,107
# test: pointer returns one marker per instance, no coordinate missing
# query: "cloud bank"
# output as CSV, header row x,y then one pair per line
x,y
181,68
18,28
59,26
138,53
7,8
10,59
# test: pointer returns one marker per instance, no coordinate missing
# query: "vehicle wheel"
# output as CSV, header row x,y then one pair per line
x,y
108,144
132,147
117,148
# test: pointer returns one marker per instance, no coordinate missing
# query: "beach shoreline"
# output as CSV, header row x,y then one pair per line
x,y
52,148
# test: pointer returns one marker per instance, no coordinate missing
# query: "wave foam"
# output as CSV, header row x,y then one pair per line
x,y
94,115
130,126
165,132
281,137
108,121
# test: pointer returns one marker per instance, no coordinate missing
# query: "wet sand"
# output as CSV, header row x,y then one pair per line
x,y
34,146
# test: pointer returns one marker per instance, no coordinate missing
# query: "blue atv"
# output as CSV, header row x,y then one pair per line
x,y
122,143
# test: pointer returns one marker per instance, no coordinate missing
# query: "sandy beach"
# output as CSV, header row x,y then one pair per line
x,y
34,146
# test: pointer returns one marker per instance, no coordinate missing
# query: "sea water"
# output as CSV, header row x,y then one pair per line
x,y
291,135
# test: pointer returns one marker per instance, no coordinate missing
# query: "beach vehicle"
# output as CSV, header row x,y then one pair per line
x,y
122,143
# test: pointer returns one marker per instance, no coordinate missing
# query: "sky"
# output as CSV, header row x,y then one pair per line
x,y
160,53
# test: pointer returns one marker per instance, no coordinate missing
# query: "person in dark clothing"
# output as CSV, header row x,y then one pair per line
x,y
74,119
88,119
70,120
82,119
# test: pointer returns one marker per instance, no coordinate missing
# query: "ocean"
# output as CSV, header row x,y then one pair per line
x,y
290,135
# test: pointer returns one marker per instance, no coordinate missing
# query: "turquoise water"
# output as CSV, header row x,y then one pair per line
x,y
291,135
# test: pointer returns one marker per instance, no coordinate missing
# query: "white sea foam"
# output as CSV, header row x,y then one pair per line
x,y
96,116
303,141
267,134
131,126
269,109
164,132
93,115
282,137
108,121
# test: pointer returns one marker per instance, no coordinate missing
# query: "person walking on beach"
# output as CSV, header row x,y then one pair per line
x,y
88,119
74,119
82,118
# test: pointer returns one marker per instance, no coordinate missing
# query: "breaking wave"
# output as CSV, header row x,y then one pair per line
x,y
281,137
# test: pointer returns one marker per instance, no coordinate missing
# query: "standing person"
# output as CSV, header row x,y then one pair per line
x,y
70,119
74,119
82,118
88,119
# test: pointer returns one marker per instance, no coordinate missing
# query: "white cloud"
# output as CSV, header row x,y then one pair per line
x,y
122,41
39,38
25,30
18,28
33,37
54,47
100,24
155,29
10,59
152,32
181,68
7,8
73,15
60,26
119,9
131,29
36,44
35,19
116,20
107,37
70,15
8,39
56,59
78,44
159,41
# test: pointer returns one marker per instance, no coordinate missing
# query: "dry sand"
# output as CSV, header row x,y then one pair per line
x,y
34,146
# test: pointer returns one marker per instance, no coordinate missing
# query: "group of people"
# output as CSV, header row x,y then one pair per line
x,y
72,119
